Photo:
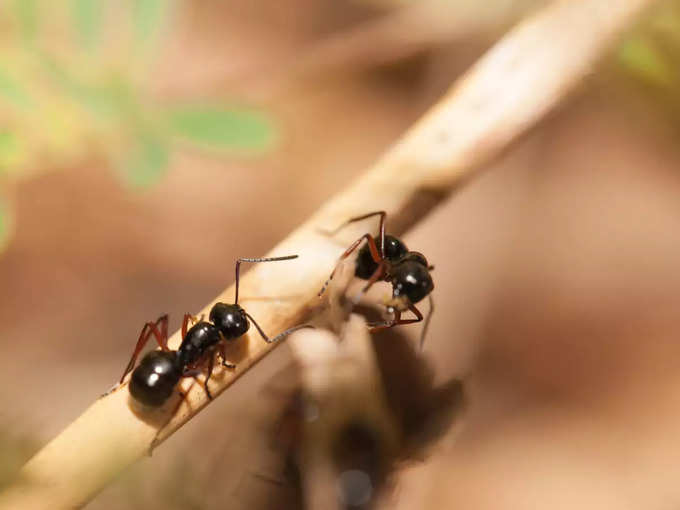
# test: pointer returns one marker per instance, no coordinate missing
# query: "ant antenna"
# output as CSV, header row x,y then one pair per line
x,y
262,259
280,335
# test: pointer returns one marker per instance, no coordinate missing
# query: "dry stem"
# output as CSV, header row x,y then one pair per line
x,y
525,75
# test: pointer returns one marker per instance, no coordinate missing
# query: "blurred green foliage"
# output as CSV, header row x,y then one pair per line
x,y
75,80
214,128
651,54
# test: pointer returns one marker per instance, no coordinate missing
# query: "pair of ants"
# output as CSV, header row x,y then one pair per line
x,y
154,380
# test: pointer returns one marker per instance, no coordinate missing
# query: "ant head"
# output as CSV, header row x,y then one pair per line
x,y
411,278
230,320
154,380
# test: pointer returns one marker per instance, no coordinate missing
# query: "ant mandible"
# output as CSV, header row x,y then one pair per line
x,y
157,375
391,261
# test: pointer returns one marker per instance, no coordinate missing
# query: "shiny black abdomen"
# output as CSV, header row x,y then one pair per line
x,y
200,337
155,378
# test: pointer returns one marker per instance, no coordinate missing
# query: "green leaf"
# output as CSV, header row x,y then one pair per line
x,y
148,16
110,99
641,57
13,91
12,152
26,12
222,128
146,162
87,17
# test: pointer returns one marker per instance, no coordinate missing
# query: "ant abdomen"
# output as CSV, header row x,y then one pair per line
x,y
155,378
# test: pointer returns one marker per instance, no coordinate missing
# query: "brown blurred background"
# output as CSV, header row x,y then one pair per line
x,y
556,281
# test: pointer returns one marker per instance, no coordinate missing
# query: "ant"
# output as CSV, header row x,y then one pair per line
x,y
390,260
157,375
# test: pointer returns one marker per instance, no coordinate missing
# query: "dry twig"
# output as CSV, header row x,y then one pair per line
x,y
342,382
515,84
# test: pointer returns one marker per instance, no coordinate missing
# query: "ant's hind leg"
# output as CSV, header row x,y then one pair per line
x,y
148,329
160,331
185,324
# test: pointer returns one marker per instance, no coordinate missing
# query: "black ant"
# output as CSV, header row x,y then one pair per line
x,y
157,375
390,261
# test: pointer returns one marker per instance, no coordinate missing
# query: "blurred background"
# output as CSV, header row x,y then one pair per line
x,y
146,144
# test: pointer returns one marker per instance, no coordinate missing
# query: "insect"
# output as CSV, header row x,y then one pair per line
x,y
155,378
390,260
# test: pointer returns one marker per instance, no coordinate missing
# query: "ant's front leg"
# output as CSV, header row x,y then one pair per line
x,y
397,321
223,355
378,274
375,254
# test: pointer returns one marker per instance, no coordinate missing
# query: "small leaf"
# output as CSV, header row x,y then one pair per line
x,y
641,57
26,12
222,128
13,153
146,162
148,16
13,91
87,18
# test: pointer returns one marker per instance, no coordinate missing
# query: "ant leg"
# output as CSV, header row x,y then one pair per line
x,y
196,369
372,248
223,355
195,373
210,364
260,259
377,275
378,326
426,325
398,321
382,214
141,342
185,324
280,335
162,333
144,336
